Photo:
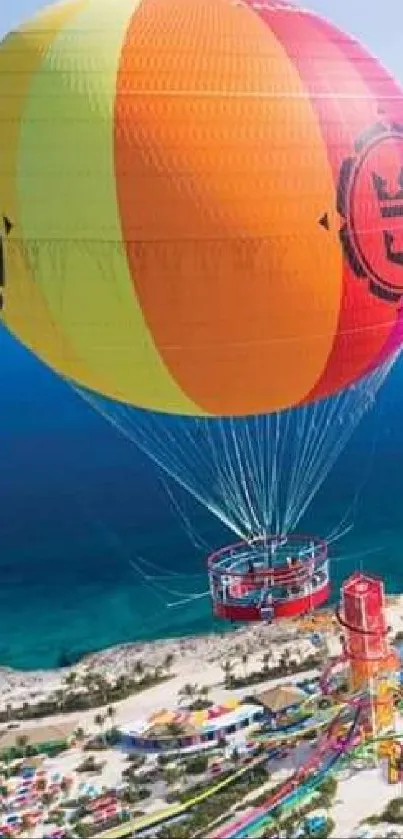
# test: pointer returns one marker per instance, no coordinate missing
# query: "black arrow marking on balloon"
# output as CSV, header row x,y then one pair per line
x,y
324,221
7,227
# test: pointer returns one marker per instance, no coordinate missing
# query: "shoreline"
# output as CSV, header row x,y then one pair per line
x,y
123,660
187,656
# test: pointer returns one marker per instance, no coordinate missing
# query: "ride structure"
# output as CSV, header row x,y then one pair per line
x,y
269,577
372,662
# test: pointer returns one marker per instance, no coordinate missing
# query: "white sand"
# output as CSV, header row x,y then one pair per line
x,y
256,640
195,660
363,794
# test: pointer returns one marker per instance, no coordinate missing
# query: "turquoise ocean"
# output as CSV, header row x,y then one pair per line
x,y
79,505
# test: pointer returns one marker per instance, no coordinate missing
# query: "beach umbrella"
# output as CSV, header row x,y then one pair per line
x,y
201,217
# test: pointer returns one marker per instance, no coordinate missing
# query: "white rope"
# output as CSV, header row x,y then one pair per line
x,y
255,474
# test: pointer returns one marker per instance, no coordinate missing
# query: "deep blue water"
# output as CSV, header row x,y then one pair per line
x,y
77,503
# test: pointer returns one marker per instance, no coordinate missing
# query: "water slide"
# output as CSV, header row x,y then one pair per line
x,y
326,755
299,784
301,793
325,679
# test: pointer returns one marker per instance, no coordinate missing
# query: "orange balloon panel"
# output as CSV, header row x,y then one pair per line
x,y
206,202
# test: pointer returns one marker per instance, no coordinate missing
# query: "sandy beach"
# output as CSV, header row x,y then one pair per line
x,y
195,660
187,655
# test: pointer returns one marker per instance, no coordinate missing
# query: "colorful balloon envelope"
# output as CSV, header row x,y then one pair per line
x,y
202,202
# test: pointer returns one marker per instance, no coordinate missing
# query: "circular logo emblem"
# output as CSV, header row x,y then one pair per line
x,y
370,200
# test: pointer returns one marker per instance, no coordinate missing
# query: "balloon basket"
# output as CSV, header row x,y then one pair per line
x,y
269,577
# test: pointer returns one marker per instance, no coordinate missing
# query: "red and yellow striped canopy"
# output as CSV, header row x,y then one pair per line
x,y
202,202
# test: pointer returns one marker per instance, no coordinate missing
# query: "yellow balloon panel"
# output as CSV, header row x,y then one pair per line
x,y
23,51
91,327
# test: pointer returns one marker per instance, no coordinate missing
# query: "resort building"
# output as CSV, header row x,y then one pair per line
x,y
182,731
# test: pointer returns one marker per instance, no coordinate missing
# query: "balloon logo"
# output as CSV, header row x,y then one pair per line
x,y
370,200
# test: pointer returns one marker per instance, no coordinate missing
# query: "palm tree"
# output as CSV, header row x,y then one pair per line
x,y
158,672
266,662
227,668
79,735
174,729
235,756
88,682
204,692
122,684
245,659
7,759
187,692
59,699
168,661
138,669
102,687
285,659
111,714
172,774
22,742
99,720
71,679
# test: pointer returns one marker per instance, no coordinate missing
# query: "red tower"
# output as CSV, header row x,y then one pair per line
x,y
363,618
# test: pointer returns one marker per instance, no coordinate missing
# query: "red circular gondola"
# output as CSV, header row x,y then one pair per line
x,y
269,577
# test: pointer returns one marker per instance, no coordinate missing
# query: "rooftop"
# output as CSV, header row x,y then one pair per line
x,y
280,698
36,736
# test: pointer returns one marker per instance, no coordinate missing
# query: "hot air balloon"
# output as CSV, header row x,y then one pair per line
x,y
202,207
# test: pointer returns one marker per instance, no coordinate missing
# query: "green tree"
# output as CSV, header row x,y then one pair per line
x,y
79,735
168,662
60,698
22,743
172,775
227,669
245,661
187,692
111,714
266,662
174,729
102,687
235,756
138,669
99,721
71,679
